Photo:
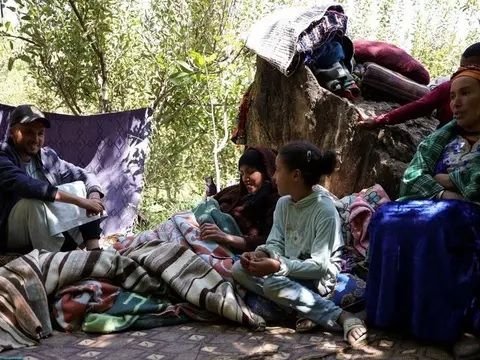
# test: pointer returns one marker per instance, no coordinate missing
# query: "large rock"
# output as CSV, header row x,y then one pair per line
x,y
284,109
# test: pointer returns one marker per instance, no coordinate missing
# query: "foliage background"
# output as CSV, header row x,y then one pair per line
x,y
186,60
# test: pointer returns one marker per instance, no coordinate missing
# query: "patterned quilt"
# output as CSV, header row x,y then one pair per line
x,y
27,283
183,229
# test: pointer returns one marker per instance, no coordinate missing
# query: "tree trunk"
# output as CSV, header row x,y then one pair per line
x,y
284,109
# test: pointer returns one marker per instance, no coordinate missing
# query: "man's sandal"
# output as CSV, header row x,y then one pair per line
x,y
354,323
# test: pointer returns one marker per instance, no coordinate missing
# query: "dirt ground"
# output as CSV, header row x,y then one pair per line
x,y
222,341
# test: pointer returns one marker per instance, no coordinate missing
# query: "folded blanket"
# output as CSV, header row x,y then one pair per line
x,y
355,211
274,37
28,281
391,85
361,210
101,307
72,303
392,57
134,312
360,214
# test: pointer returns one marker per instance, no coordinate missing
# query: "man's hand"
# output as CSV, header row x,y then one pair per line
x,y
94,195
444,180
263,266
213,233
93,206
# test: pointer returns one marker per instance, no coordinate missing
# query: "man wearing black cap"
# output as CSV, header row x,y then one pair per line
x,y
45,202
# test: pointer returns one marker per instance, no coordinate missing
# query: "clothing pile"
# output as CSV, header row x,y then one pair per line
x,y
315,36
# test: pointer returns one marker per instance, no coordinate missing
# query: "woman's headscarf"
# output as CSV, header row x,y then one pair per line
x,y
262,159
472,71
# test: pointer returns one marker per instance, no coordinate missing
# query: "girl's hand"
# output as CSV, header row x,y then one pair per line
x,y
260,255
249,256
213,233
245,259
263,266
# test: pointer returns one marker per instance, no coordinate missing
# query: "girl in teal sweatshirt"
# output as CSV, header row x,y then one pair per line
x,y
298,265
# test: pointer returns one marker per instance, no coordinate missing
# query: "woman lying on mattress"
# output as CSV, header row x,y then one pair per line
x,y
251,203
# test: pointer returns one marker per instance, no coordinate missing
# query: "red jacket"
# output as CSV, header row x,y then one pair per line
x,y
437,99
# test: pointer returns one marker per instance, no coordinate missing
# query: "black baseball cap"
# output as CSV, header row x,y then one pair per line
x,y
26,114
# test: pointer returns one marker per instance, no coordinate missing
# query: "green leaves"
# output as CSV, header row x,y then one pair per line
x,y
185,67
198,59
177,56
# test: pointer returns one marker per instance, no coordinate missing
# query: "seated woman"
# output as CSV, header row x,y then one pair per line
x,y
297,268
251,202
424,273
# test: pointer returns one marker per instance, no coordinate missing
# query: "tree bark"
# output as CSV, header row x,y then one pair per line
x,y
284,109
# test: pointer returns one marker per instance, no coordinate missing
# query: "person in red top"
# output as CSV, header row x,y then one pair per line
x,y
437,99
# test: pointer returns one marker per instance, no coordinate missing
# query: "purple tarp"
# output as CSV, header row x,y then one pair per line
x,y
113,146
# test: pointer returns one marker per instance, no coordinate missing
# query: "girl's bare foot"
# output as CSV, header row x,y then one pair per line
x,y
354,329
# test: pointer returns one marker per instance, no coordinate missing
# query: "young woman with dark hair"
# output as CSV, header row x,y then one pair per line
x,y
298,265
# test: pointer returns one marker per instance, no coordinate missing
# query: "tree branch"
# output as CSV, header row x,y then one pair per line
x,y
30,41
104,102
71,104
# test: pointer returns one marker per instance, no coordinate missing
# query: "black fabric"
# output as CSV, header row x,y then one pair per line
x,y
91,230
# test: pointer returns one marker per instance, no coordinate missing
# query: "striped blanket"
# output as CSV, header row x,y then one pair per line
x,y
183,229
27,283
274,37
194,280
